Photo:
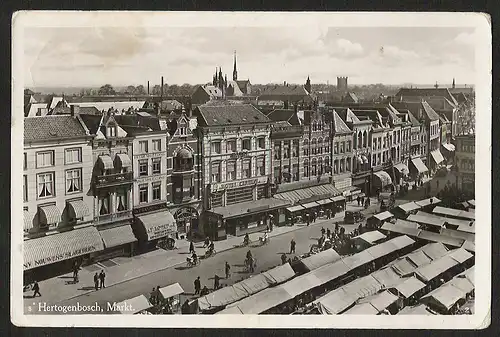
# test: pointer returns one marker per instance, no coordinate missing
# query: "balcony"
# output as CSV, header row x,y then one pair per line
x,y
103,219
114,179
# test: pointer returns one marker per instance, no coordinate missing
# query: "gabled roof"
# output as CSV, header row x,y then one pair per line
x,y
347,115
460,97
426,92
90,110
242,84
338,124
413,120
229,114
236,88
351,97
136,120
32,109
211,90
285,92
92,122
287,115
419,110
118,105
54,127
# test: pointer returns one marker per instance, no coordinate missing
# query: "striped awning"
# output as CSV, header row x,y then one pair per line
x,y
124,160
61,246
324,201
384,177
295,209
28,220
338,198
158,225
78,208
310,205
106,161
117,236
402,168
437,156
49,214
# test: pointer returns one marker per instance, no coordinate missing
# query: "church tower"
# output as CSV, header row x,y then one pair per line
x,y
307,86
453,84
235,72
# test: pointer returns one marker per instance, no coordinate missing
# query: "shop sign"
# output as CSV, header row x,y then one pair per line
x,y
160,231
238,184
59,257
186,213
149,155
239,155
157,177
149,208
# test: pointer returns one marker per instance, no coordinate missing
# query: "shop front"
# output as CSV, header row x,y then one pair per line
x,y
339,203
295,214
187,220
155,228
382,182
448,152
247,217
401,172
418,169
57,253
119,240
437,158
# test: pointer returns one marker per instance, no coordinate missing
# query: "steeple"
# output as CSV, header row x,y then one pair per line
x,y
235,72
308,85
221,79
436,85
453,84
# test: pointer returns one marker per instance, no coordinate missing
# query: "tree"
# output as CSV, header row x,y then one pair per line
x,y
106,89
130,90
139,90
156,90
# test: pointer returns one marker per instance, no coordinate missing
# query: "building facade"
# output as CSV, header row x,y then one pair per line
x,y
465,162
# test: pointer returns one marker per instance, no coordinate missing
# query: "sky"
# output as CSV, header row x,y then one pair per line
x,y
93,56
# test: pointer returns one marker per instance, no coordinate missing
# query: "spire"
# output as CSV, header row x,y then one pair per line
x,y
235,72
308,85
453,84
436,85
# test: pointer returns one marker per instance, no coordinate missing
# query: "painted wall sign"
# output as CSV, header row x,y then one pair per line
x,y
238,184
59,257
160,231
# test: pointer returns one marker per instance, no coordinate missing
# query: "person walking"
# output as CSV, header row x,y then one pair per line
x,y
322,231
283,258
152,297
102,277
36,289
197,286
292,246
328,233
191,248
228,270
96,281
216,282
358,199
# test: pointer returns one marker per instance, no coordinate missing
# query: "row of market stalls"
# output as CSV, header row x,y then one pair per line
x,y
168,302
283,298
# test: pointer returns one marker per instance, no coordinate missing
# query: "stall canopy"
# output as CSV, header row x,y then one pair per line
x,y
363,286
426,220
454,213
253,284
370,237
250,207
294,209
326,190
434,250
472,202
221,298
335,302
384,178
419,165
117,236
402,168
325,201
458,234
444,297
435,268
437,156
135,305
469,228
408,224
301,284
381,301
318,260
279,274
338,198
330,272
435,237
158,225
387,277
409,286
428,201
420,310
449,147
409,206
403,267
362,309
384,216
171,290
468,274
395,228
419,258
261,302
448,221
470,246
310,205
460,255
61,246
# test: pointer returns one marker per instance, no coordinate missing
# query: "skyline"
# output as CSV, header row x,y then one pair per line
x,y
120,56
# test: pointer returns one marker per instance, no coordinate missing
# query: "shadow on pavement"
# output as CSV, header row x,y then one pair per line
x,y
86,288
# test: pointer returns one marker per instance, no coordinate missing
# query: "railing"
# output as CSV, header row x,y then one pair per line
x,y
116,178
113,217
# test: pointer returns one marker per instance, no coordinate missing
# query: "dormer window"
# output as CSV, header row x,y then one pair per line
x,y
111,131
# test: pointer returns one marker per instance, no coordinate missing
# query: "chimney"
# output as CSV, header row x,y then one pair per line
x,y
75,110
148,88
161,90
284,83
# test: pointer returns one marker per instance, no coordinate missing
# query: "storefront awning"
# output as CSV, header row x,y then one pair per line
x,y
419,165
402,168
437,156
49,214
250,207
294,209
158,225
310,205
384,177
449,147
124,160
324,201
304,195
28,220
61,246
338,198
106,162
78,208
117,236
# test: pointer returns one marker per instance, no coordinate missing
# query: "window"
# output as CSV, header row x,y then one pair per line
x,y
261,169
246,144
374,143
25,188
342,147
286,149
348,164
73,156
295,147
342,165
111,131
45,185
143,193
104,205
216,147
156,145
182,131
143,167
320,166
277,150
45,159
143,146
327,164
231,170
348,146
314,168
262,143
320,146
73,181
286,174
306,168
277,174
335,166
313,146
216,172
25,161
246,169
306,147
156,191
336,148
231,145
156,165
122,200
327,145
295,172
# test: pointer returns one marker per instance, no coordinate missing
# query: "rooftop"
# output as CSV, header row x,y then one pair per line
x,y
53,127
229,114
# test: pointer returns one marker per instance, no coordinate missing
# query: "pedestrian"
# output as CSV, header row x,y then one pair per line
x,y
358,200
322,230
102,277
185,307
96,281
152,297
228,270
36,289
328,233
216,282
191,247
197,286
336,227
283,258
292,246
204,291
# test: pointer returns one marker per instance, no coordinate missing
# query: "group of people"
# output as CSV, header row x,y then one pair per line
x,y
209,244
99,280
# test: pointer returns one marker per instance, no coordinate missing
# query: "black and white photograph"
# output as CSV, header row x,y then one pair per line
x,y
302,167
